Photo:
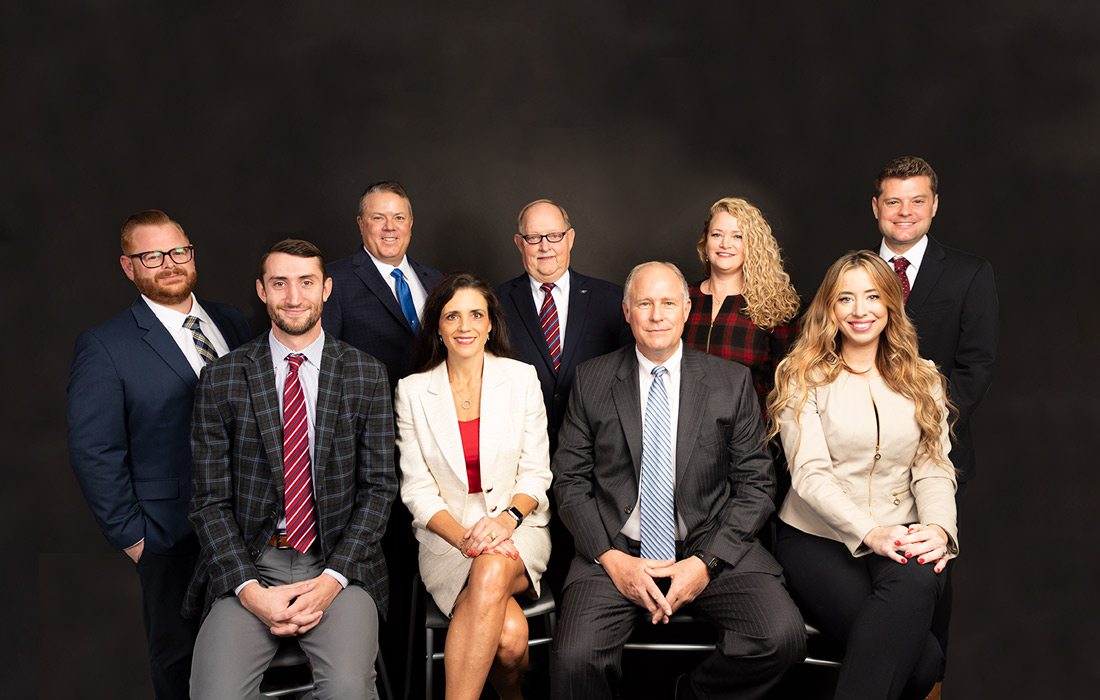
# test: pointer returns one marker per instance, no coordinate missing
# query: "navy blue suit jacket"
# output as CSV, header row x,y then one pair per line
x,y
953,303
595,327
363,312
131,391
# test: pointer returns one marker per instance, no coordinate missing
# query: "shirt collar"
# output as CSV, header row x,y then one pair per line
x,y
672,364
914,255
313,351
561,283
385,269
174,319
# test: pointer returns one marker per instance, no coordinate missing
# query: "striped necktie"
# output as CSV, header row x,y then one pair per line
x,y
202,343
297,479
548,319
658,519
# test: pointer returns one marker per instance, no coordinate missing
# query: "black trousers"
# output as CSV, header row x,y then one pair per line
x,y
881,611
761,634
171,638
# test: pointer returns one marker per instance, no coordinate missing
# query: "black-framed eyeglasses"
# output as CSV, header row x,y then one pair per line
x,y
155,258
536,238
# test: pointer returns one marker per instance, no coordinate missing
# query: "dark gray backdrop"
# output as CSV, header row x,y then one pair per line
x,y
255,121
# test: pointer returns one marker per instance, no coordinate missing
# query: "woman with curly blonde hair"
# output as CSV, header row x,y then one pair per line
x,y
869,521
742,310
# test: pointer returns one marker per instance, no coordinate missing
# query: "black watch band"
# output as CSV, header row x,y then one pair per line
x,y
714,564
515,513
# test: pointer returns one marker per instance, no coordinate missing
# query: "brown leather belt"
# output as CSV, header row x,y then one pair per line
x,y
278,540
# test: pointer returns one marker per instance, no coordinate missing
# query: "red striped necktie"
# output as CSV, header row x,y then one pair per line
x,y
298,494
548,319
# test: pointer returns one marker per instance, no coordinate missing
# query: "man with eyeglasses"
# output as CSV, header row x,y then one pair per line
x,y
131,390
557,318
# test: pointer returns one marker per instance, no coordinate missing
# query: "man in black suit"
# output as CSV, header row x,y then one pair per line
x,y
131,390
378,293
294,479
951,298
583,318
663,476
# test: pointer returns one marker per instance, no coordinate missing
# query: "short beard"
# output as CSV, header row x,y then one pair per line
x,y
305,325
151,289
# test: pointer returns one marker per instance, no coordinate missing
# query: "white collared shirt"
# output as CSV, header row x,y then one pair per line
x,y
560,294
173,321
417,290
914,255
633,526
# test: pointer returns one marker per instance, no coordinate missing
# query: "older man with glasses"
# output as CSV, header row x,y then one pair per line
x,y
131,391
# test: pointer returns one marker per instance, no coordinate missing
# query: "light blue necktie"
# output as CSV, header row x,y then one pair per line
x,y
657,516
405,298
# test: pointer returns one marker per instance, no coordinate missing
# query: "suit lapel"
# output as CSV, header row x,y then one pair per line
x,y
628,404
260,375
366,271
439,409
693,397
578,314
328,404
931,269
521,298
494,406
227,329
157,337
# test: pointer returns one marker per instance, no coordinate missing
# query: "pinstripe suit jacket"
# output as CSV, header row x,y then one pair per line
x,y
237,488
725,479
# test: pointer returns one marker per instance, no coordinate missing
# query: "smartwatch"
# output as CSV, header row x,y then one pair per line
x,y
714,564
515,513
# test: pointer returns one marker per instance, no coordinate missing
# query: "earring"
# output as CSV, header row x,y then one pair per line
x,y
486,337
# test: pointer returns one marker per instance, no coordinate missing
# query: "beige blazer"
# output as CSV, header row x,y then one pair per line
x,y
514,449
838,489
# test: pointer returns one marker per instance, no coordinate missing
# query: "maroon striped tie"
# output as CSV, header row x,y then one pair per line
x,y
298,500
900,265
548,319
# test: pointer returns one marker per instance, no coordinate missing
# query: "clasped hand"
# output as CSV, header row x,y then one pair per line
x,y
634,579
926,543
490,536
291,609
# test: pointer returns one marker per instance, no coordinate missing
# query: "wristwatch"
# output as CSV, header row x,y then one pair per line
x,y
714,564
515,513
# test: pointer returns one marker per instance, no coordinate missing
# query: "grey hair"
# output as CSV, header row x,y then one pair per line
x,y
638,268
523,212
392,186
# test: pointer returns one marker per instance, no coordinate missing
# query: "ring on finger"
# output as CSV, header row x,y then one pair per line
x,y
492,536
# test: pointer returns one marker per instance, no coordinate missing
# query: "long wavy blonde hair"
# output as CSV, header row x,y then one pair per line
x,y
815,359
770,298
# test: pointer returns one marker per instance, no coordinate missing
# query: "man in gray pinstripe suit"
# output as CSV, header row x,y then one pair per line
x,y
313,571
720,480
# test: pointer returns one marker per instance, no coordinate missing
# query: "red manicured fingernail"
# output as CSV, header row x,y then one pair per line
x,y
897,542
904,561
920,561
908,554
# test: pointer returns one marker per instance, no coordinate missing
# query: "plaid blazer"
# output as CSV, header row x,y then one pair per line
x,y
237,483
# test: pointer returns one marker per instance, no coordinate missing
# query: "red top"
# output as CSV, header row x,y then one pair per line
x,y
468,431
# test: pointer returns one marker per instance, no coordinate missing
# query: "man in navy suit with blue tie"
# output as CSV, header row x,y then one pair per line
x,y
378,293
131,390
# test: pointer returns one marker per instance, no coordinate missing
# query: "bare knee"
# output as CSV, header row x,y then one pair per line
x,y
491,578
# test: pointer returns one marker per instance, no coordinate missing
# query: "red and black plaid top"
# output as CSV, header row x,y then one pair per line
x,y
734,336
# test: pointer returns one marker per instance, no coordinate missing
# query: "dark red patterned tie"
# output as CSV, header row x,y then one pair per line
x,y
900,266
298,500
548,319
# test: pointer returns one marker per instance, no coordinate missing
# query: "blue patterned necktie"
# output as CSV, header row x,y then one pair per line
x,y
405,298
202,343
657,517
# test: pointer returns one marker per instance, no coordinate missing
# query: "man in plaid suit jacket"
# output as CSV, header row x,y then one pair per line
x,y
257,580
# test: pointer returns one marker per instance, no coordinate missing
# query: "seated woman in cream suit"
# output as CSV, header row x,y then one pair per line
x,y
475,468
869,521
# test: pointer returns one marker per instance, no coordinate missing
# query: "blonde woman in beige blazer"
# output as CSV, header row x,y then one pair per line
x,y
869,522
475,469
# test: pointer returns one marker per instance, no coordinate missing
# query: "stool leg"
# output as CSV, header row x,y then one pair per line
x,y
429,650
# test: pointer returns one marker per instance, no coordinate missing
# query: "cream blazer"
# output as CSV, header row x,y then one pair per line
x,y
514,449
838,489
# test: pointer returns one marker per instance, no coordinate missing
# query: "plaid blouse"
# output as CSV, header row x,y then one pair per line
x,y
734,336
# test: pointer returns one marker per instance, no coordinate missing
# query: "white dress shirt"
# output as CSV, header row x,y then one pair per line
x,y
173,323
633,526
417,290
560,294
914,255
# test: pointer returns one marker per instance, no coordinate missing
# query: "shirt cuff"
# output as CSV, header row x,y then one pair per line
x,y
238,589
338,576
134,544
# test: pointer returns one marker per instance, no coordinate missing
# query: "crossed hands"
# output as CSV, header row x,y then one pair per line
x,y
292,609
490,536
926,543
634,578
